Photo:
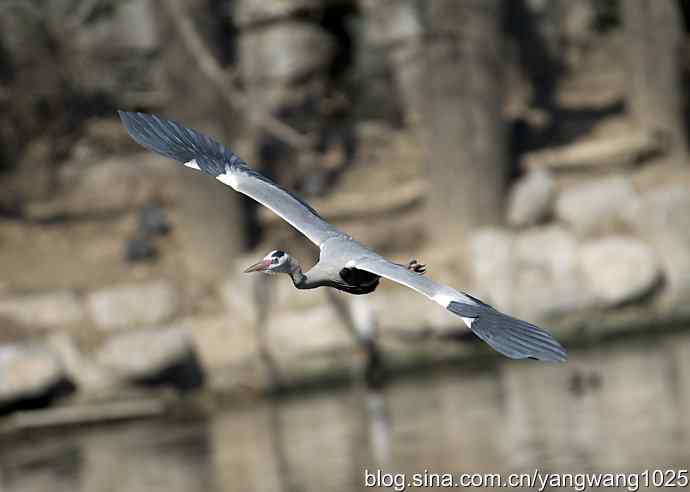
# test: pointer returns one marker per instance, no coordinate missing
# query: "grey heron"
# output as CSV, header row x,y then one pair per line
x,y
344,263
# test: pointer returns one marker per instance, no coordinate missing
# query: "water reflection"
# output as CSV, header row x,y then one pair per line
x,y
621,407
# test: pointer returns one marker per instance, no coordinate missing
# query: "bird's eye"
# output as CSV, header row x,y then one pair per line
x,y
274,261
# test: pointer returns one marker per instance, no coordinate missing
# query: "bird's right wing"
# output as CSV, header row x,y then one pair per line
x,y
198,151
510,336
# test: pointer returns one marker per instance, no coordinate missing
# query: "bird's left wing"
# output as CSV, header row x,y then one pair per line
x,y
198,151
510,336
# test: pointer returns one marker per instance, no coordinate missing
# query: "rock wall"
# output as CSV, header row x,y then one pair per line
x,y
616,267
591,248
96,296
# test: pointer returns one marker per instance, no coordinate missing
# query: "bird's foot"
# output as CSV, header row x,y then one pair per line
x,y
416,267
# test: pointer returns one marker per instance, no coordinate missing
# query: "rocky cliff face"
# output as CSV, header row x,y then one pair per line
x,y
97,293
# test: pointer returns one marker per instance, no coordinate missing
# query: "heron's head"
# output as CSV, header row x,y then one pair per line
x,y
276,261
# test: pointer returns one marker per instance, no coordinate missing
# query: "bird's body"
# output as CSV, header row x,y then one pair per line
x,y
344,263
337,264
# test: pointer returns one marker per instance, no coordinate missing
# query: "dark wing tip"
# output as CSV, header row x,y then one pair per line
x,y
130,120
509,336
175,141
125,118
152,133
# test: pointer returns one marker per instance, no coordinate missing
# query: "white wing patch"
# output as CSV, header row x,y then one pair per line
x,y
228,178
193,164
443,299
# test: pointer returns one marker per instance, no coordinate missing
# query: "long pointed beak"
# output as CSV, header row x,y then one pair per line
x,y
259,266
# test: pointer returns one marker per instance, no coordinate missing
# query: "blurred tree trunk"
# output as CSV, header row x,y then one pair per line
x,y
654,44
446,57
467,148
284,59
212,227
397,26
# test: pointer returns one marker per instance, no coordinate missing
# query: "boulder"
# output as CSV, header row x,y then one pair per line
x,y
133,304
31,376
112,185
103,136
597,207
112,53
247,12
392,22
541,299
619,269
551,248
493,262
91,378
305,334
49,309
246,295
32,78
532,274
546,282
241,294
153,356
308,343
531,198
392,33
662,218
228,351
406,314
299,333
222,341
285,52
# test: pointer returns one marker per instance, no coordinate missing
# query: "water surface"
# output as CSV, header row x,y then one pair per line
x,y
623,406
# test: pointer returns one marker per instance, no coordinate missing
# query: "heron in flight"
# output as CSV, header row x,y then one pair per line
x,y
344,263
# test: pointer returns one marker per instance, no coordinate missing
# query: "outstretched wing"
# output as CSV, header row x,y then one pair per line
x,y
198,151
511,337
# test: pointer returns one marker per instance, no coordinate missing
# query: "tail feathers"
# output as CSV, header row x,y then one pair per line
x,y
175,141
509,336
